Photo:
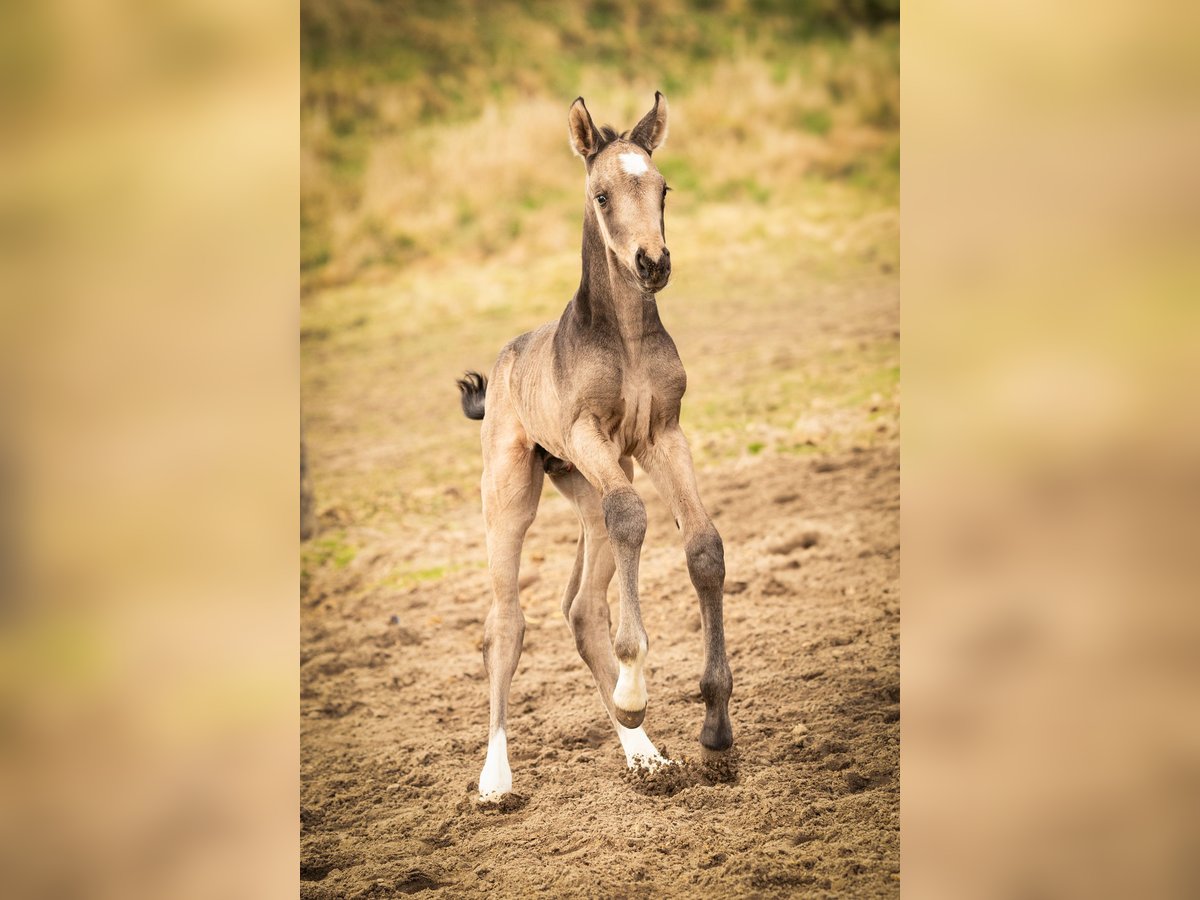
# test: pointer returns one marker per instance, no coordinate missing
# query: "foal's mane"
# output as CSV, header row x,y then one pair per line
x,y
608,134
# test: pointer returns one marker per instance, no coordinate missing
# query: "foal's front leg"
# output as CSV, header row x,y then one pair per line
x,y
598,460
511,487
585,606
669,463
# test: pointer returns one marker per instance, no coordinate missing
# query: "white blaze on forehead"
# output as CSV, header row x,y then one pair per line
x,y
634,163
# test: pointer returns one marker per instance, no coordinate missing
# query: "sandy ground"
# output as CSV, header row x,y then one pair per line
x,y
394,709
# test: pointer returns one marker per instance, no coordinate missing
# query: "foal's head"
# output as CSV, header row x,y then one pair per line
x,y
626,191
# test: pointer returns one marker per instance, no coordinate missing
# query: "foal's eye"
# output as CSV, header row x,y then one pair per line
x,y
602,199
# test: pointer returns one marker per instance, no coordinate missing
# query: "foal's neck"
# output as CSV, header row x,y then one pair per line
x,y
607,301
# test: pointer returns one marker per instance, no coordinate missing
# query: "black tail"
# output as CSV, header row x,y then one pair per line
x,y
474,389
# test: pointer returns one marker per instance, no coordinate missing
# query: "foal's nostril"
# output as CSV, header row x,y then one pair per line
x,y
653,270
643,263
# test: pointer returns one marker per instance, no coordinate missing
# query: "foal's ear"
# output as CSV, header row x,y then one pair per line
x,y
651,132
584,137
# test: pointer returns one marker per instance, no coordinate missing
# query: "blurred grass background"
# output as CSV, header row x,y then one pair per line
x,y
429,128
441,214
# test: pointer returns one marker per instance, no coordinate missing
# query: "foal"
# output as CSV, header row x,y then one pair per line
x,y
579,399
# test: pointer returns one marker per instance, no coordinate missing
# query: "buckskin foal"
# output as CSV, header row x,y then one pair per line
x,y
579,399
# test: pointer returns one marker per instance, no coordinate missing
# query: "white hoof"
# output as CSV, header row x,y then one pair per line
x,y
496,778
639,751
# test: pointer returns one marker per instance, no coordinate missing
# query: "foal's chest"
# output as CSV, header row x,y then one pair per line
x,y
648,400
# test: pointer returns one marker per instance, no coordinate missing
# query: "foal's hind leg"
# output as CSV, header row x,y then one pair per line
x,y
585,607
511,488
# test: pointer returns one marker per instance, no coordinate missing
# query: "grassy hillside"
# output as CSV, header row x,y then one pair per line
x,y
437,129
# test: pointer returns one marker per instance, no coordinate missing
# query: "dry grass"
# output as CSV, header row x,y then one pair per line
x,y
386,185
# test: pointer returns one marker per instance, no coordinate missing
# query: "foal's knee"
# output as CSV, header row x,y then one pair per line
x,y
503,629
706,561
625,518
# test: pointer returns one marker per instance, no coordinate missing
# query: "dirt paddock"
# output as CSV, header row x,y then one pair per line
x,y
394,710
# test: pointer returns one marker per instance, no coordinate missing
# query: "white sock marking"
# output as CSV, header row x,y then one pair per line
x,y
496,778
634,163
630,692
639,751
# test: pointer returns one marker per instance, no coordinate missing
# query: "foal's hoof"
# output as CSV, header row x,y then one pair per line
x,y
717,734
492,796
708,755
719,766
630,719
648,762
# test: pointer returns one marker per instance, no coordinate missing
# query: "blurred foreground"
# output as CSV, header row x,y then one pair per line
x,y
149,262
1052,216
148,171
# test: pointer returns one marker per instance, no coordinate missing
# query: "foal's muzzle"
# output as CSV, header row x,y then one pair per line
x,y
653,274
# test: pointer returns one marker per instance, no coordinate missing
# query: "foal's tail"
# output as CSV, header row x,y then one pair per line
x,y
474,389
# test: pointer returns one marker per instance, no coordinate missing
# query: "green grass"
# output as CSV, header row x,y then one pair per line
x,y
818,121
329,549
